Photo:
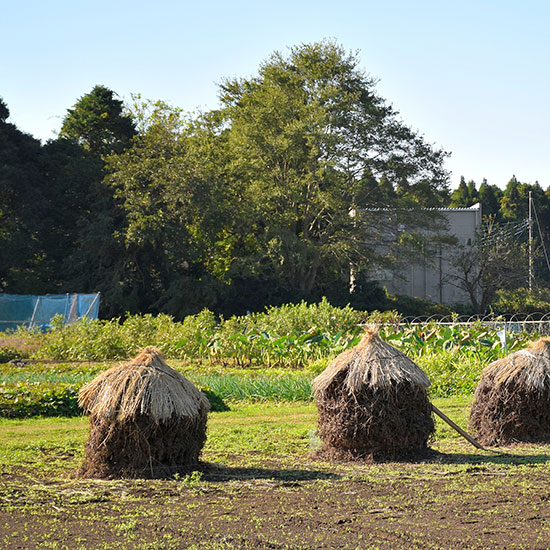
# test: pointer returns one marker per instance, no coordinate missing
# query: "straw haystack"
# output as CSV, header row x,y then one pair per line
x,y
373,403
512,400
147,420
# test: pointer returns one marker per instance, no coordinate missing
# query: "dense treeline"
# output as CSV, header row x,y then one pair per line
x,y
268,199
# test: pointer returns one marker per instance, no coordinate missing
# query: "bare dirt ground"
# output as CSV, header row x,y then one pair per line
x,y
451,500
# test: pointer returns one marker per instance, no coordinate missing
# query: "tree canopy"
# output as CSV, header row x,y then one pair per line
x,y
22,208
303,176
310,142
98,123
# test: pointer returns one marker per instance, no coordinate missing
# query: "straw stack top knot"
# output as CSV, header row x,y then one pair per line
x,y
528,368
541,348
373,363
145,386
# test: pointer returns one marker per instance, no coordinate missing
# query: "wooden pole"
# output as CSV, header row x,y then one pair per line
x,y
457,428
531,241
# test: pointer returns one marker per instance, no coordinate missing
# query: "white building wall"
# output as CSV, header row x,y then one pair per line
x,y
428,277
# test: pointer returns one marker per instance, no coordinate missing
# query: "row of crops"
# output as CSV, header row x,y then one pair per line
x,y
290,336
263,356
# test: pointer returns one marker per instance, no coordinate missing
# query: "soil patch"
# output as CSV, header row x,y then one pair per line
x,y
448,501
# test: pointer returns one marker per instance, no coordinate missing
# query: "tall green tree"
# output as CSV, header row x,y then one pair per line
x,y
98,122
515,208
167,186
459,197
473,195
307,135
510,203
465,195
96,126
22,209
489,197
70,174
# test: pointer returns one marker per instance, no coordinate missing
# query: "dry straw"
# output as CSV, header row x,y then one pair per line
x,y
373,402
145,386
147,420
512,399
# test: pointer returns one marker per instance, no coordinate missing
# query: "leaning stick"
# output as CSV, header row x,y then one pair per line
x,y
458,428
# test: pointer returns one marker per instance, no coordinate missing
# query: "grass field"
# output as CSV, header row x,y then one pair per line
x,y
261,484
265,489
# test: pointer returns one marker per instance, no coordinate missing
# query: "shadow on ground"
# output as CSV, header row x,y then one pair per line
x,y
497,458
217,472
432,456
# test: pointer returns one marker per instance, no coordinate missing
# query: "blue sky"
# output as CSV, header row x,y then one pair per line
x,y
471,76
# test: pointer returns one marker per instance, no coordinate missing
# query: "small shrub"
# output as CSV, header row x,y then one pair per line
x,y
23,400
451,374
319,365
409,306
87,339
18,344
522,300
217,404
8,354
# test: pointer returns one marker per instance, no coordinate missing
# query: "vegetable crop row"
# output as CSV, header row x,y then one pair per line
x,y
291,336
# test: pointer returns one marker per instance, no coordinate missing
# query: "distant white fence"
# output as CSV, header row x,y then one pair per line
x,y
533,322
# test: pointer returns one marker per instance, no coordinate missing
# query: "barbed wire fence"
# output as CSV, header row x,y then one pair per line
x,y
531,323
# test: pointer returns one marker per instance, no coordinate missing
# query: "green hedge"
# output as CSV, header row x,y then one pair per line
x,y
21,400
27,399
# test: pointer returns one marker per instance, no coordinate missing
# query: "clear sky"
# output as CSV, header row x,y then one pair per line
x,y
472,76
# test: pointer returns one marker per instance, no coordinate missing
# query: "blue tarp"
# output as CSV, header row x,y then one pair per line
x,y
38,311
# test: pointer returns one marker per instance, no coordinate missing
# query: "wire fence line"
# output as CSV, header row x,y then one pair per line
x,y
531,323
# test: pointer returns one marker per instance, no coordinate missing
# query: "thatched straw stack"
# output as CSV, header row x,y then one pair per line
x,y
512,399
147,420
373,403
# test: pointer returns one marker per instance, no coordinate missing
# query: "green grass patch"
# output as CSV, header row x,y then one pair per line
x,y
51,389
263,429
256,387
268,488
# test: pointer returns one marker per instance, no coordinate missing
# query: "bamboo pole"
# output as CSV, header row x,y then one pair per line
x,y
457,428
